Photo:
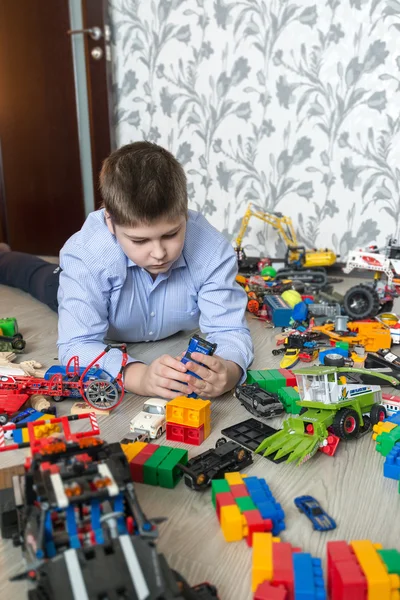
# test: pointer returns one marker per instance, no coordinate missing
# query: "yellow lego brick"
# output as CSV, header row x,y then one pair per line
x,y
42,431
394,582
382,426
395,595
188,411
262,567
132,450
234,478
378,581
232,523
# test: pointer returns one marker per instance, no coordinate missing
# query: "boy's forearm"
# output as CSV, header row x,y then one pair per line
x,y
235,373
134,378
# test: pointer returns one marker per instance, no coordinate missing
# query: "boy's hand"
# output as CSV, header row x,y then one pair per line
x,y
159,378
222,375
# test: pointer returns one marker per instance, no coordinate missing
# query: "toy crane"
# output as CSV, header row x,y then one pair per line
x,y
296,255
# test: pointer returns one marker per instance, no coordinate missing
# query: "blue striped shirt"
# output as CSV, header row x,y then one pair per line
x,y
103,294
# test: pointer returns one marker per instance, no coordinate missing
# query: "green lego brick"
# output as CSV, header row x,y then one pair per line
x,y
344,345
289,396
217,487
255,377
391,558
168,472
387,439
150,467
9,326
279,381
245,503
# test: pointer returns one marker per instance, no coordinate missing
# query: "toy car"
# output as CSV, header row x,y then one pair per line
x,y
10,338
259,402
312,509
197,344
214,463
151,420
135,436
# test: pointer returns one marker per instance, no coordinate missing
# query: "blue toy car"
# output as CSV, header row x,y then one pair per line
x,y
197,344
312,509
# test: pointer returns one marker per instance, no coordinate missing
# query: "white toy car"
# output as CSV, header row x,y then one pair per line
x,y
151,419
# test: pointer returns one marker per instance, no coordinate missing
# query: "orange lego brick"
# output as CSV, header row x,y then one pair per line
x,y
132,450
378,581
189,411
232,523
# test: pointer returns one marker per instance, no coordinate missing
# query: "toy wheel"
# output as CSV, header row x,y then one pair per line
x,y
303,409
201,480
346,424
255,404
18,344
17,336
377,414
240,454
367,425
3,418
102,394
220,442
334,360
276,352
361,301
57,398
159,432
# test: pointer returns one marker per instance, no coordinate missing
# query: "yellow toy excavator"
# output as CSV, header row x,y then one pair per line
x,y
296,255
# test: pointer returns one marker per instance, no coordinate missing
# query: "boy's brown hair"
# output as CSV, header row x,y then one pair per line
x,y
141,183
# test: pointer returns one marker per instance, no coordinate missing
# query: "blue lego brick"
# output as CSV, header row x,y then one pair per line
x,y
308,577
391,468
278,311
394,418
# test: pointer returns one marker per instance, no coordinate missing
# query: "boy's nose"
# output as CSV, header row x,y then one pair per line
x,y
158,252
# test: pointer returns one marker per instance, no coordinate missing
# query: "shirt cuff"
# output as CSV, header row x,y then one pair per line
x,y
112,362
236,357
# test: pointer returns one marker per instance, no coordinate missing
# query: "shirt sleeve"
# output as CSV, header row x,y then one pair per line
x,y
222,304
83,297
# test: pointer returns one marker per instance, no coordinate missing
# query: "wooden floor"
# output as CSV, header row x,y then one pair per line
x,y
350,486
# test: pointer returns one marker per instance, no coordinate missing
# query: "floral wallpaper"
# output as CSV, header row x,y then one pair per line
x,y
290,104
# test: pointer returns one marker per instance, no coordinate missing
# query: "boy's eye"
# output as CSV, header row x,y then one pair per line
x,y
139,241
170,235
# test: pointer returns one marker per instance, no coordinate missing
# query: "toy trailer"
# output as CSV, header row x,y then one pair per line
x,y
331,410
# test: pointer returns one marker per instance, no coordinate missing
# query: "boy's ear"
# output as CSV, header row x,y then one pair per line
x,y
109,222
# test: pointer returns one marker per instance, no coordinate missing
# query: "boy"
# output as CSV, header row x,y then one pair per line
x,y
140,269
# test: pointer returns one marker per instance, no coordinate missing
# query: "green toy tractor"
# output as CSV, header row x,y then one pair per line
x,y
331,410
10,339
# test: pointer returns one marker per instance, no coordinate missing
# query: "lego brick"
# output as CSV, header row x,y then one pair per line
x,y
223,499
290,378
137,463
391,467
234,478
273,380
239,490
245,503
255,377
150,468
22,435
378,581
188,411
283,567
346,580
187,435
132,450
255,522
308,577
289,396
232,523
391,558
218,486
169,474
268,591
262,566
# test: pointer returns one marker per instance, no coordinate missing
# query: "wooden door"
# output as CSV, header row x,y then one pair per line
x,y
41,197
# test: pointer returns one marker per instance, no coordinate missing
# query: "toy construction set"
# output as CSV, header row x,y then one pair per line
x,y
72,506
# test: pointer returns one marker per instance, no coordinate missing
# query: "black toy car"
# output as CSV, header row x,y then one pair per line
x,y
259,402
214,463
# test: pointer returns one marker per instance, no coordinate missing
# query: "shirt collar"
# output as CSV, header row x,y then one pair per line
x,y
180,262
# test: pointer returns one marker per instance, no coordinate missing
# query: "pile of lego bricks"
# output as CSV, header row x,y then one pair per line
x,y
21,435
359,570
155,465
278,381
387,437
188,420
245,505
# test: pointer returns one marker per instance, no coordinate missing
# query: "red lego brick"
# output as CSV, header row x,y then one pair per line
x,y
290,378
266,591
255,522
346,580
239,490
185,434
283,573
223,499
137,463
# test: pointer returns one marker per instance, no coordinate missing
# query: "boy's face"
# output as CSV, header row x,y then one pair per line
x,y
153,247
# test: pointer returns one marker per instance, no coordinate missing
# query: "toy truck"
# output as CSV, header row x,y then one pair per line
x,y
83,533
10,338
331,410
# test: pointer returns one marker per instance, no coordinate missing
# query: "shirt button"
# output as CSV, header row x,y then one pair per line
x,y
151,332
192,313
153,314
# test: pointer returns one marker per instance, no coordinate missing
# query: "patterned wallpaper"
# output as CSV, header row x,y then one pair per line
x,y
292,105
